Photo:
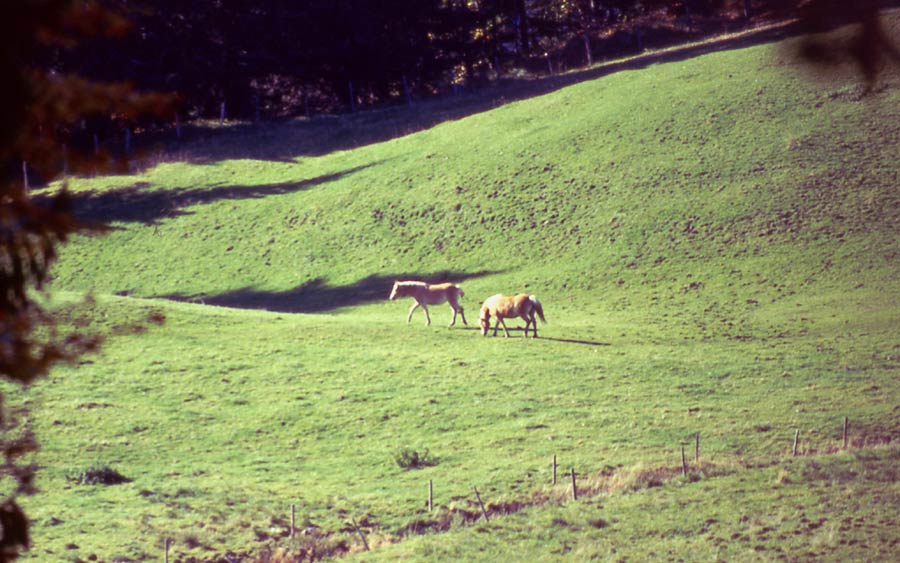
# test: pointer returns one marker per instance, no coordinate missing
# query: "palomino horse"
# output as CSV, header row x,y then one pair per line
x,y
503,307
427,294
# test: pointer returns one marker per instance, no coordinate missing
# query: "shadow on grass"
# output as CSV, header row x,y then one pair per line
x,y
316,296
575,341
140,203
286,140
540,336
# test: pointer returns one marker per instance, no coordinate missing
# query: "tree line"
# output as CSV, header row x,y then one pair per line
x,y
282,57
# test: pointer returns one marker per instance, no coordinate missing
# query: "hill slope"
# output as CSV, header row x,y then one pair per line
x,y
715,241
709,175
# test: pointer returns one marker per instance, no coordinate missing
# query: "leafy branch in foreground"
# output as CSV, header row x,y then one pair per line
x,y
36,106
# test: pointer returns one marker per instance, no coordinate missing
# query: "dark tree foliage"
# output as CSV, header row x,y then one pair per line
x,y
283,57
372,43
253,54
38,110
869,48
276,54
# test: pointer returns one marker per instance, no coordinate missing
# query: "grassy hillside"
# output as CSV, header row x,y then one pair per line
x,y
726,175
715,242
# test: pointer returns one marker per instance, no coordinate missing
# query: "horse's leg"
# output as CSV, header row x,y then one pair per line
x,y
527,322
461,313
427,316
533,325
506,330
457,309
497,325
411,309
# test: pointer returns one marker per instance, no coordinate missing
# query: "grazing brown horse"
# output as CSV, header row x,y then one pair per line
x,y
503,307
428,294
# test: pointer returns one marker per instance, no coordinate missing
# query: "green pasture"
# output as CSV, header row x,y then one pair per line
x,y
715,242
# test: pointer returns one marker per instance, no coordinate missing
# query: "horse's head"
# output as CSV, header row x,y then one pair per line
x,y
394,291
484,319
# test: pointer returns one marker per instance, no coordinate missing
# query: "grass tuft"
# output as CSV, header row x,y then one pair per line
x,y
408,458
98,475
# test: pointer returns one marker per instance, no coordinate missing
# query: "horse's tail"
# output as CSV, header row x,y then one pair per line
x,y
460,291
537,307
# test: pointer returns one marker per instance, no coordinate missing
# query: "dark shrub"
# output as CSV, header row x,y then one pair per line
x,y
411,459
99,476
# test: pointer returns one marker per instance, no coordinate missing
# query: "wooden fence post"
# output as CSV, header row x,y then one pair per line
x,y
846,431
430,495
554,469
697,448
25,175
166,543
683,462
222,114
796,442
481,504
361,535
293,519
574,486
587,50
406,91
352,97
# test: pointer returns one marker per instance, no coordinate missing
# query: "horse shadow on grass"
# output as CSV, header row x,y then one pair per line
x,y
316,296
541,336
575,341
